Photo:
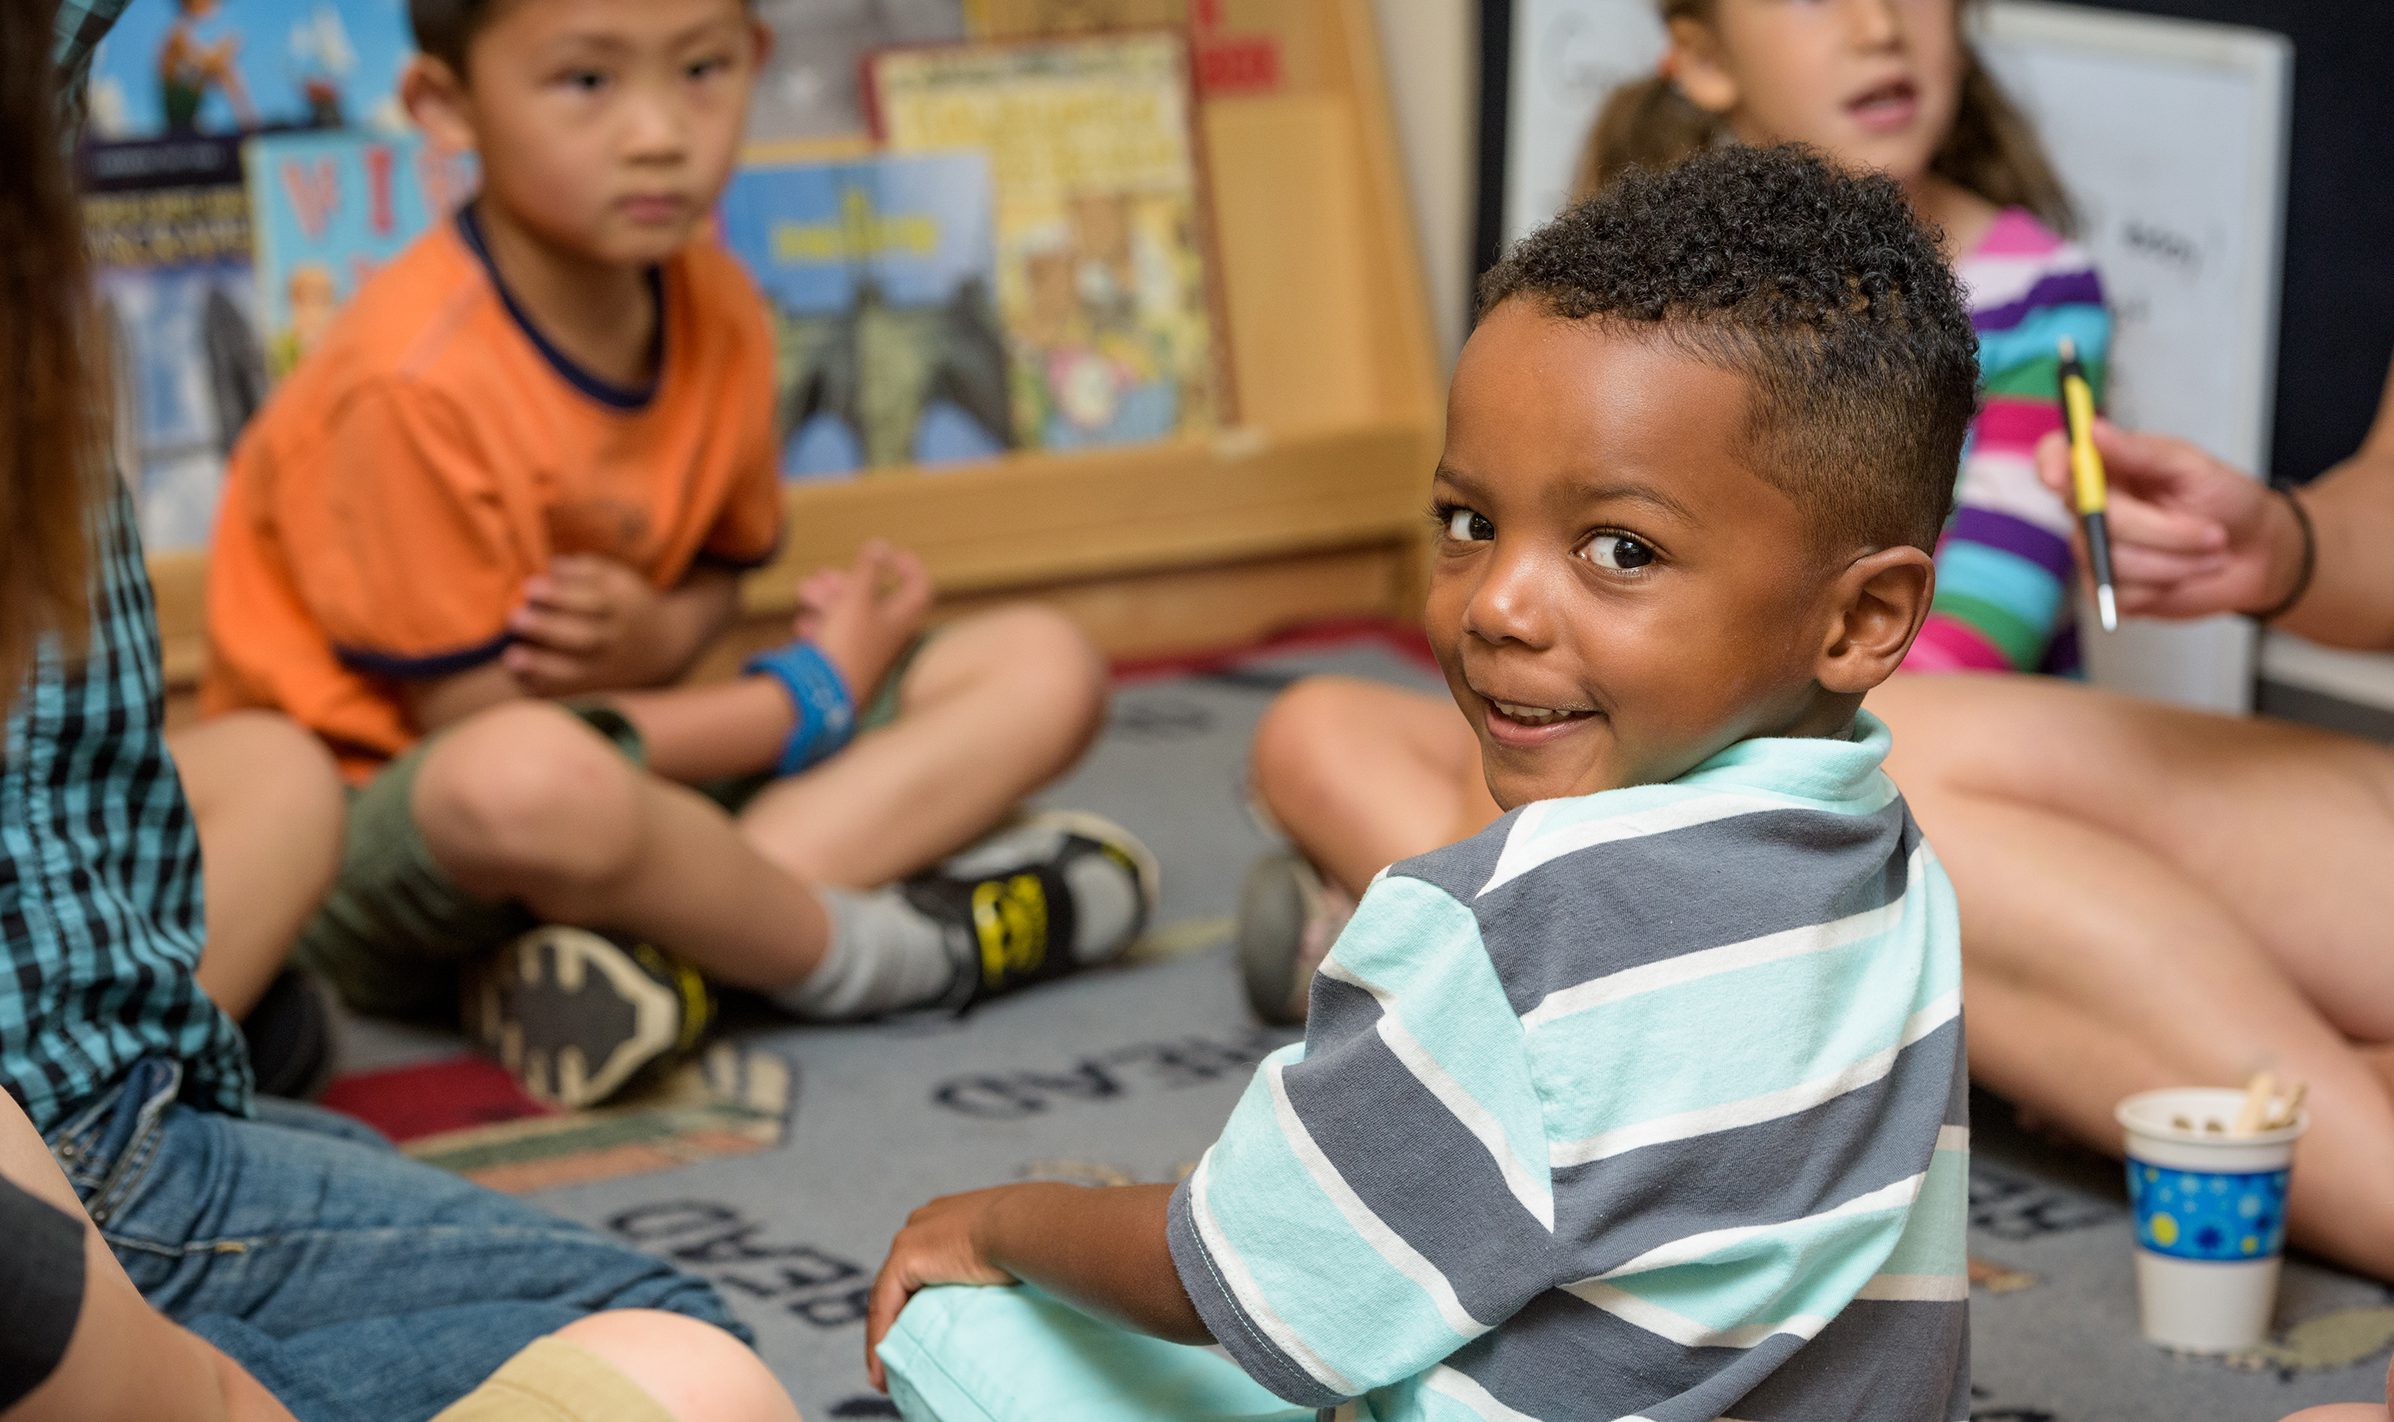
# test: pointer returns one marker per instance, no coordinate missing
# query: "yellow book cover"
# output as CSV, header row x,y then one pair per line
x,y
1104,282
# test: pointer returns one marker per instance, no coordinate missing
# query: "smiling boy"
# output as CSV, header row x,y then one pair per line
x,y
478,537
1649,1100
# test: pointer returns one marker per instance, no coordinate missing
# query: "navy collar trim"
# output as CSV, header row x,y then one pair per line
x,y
627,398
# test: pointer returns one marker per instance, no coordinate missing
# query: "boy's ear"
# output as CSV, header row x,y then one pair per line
x,y
1694,64
1877,607
762,35
435,97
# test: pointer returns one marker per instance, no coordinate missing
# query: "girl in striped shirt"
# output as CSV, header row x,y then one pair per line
x,y
1361,774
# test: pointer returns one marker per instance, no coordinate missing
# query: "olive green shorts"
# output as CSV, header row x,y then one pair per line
x,y
396,930
555,1381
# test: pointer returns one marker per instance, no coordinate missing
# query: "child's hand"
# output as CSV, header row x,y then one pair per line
x,y
944,1242
865,614
580,627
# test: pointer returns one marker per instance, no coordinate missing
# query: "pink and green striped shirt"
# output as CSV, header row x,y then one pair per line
x,y
2004,566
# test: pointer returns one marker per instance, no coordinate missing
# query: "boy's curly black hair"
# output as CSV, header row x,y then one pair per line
x,y
1819,286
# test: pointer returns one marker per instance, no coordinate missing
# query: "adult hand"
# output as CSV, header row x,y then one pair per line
x,y
864,615
944,1242
2191,536
582,626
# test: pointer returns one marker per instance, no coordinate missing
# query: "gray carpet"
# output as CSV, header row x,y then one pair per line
x,y
1125,1076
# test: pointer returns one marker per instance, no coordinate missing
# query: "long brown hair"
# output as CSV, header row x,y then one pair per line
x,y
53,402
1992,149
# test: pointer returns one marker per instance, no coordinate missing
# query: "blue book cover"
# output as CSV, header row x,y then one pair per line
x,y
879,274
242,66
329,209
170,234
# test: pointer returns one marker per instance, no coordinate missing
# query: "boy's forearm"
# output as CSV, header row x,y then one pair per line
x,y
1102,1250
686,622
699,733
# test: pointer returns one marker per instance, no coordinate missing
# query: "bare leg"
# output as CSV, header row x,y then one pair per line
x,y
695,1371
2127,877
1361,774
526,802
267,802
996,706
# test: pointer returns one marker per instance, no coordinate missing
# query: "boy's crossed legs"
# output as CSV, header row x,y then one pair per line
x,y
527,813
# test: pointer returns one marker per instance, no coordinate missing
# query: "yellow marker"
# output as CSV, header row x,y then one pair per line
x,y
2087,489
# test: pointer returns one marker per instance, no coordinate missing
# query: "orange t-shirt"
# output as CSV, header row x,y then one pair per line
x,y
384,511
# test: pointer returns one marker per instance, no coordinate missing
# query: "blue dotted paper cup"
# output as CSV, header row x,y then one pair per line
x,y
2210,1212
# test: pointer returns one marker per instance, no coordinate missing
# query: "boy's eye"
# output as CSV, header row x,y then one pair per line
x,y
709,68
589,81
1618,552
1465,526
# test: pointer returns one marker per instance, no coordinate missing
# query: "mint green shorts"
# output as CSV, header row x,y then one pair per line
x,y
963,1354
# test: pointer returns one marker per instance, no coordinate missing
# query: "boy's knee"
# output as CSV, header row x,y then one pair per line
x,y
1049,658
1296,729
524,796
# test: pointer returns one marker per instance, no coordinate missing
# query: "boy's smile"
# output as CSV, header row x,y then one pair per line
x,y
1616,595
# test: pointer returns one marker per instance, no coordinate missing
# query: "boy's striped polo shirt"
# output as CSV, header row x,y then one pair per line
x,y
1647,1104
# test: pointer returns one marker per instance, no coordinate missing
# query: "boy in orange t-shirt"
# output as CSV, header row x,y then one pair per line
x,y
526,466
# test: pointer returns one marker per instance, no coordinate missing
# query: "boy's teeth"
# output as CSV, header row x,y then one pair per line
x,y
1531,715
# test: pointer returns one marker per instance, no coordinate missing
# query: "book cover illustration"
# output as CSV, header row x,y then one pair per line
x,y
811,87
878,276
1102,277
241,66
330,209
171,242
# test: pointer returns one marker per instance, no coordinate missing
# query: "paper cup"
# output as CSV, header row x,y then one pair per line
x,y
2210,1218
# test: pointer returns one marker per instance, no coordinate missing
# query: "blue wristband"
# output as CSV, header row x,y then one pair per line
x,y
826,710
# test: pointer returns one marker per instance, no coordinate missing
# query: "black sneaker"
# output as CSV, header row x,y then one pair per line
x,y
577,1016
1012,916
293,1036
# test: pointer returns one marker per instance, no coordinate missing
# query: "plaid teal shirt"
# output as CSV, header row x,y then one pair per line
x,y
100,922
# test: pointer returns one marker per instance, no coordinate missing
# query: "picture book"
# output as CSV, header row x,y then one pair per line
x,y
810,89
1103,278
331,208
878,274
170,227
242,66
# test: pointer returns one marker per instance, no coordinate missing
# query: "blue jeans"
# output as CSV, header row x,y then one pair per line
x,y
356,1284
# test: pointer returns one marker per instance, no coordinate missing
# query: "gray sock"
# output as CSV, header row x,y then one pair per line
x,y
885,955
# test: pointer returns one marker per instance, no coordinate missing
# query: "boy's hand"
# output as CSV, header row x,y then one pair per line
x,y
865,614
581,627
944,1242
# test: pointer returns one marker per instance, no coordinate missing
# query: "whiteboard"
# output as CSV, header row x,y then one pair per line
x,y
2171,137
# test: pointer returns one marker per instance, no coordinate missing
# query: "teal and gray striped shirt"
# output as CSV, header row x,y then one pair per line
x,y
1646,1105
